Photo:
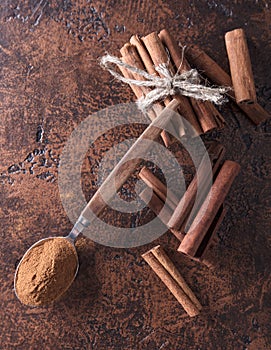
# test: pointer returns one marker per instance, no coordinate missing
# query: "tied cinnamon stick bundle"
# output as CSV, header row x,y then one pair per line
x,y
203,116
170,276
240,66
211,69
162,80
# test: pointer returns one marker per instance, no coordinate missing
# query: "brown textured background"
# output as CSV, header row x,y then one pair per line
x,y
50,81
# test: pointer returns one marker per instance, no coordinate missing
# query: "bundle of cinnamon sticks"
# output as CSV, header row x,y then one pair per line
x,y
153,50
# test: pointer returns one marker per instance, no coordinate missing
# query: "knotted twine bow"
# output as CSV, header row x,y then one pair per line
x,y
185,83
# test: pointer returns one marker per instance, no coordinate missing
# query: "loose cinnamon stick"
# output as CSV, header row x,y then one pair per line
x,y
159,188
156,205
216,153
209,209
160,209
206,65
180,217
204,253
255,112
216,74
210,239
240,66
206,112
163,258
165,275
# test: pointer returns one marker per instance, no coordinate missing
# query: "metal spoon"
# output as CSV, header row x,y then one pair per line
x,y
98,202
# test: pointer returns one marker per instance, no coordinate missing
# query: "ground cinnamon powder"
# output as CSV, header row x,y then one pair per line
x,y
46,271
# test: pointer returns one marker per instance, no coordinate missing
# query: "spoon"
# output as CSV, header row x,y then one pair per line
x,y
99,201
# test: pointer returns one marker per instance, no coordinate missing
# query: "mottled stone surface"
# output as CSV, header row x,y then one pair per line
x,y
50,82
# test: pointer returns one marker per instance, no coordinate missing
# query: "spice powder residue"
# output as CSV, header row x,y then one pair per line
x,y
46,271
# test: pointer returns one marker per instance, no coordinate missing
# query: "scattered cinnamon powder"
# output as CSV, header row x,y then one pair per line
x,y
46,271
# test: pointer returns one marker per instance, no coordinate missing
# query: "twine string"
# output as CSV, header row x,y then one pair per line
x,y
186,83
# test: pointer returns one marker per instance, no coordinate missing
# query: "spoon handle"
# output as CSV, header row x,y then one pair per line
x,y
123,170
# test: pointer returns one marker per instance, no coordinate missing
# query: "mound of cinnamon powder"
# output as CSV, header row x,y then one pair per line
x,y
46,271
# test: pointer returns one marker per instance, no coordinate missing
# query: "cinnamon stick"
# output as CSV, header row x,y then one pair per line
x,y
216,154
127,74
149,66
255,112
163,258
180,64
209,209
156,205
240,66
203,253
216,74
159,188
207,114
160,209
143,53
158,55
220,121
165,274
152,113
205,64
180,217
131,57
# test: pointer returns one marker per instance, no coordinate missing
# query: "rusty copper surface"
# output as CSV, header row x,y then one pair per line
x,y
50,82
